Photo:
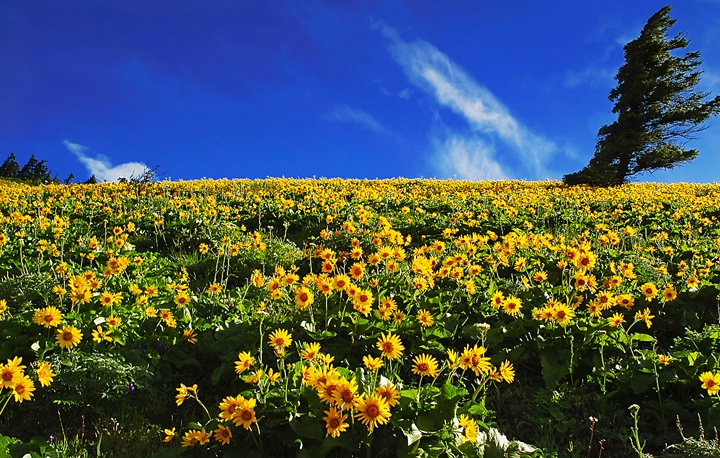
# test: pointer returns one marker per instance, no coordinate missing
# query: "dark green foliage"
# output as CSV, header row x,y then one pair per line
x,y
10,168
657,105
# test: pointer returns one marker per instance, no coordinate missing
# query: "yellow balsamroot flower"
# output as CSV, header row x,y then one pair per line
x,y
244,362
372,411
335,422
645,316
228,407
254,378
453,359
167,317
169,435
664,359
272,376
562,314
625,300
303,298
3,306
649,290
280,339
616,320
195,437
44,373
47,317
223,434
390,346
373,363
245,412
425,366
185,392
23,389
310,351
214,288
710,382
114,321
345,393
68,336
11,372
190,335
390,393
472,358
425,318
507,371
669,293
512,305
99,335
181,299
469,429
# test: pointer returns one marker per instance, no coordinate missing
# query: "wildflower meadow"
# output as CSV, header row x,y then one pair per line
x,y
329,317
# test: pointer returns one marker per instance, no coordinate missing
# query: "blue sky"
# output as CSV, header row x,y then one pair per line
x,y
483,89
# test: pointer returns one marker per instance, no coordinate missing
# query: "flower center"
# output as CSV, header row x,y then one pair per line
x,y
372,411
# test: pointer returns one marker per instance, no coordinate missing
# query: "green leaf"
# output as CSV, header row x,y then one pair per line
x,y
639,337
555,364
308,427
692,357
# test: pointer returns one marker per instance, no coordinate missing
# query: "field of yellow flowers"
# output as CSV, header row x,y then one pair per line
x,y
286,317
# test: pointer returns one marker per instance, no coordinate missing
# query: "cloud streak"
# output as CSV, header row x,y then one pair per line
x,y
451,87
101,167
346,114
467,159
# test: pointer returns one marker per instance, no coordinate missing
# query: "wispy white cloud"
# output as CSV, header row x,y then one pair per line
x,y
467,159
431,70
353,115
101,167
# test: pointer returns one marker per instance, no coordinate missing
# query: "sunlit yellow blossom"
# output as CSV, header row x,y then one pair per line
x,y
223,434
645,316
184,392
512,305
562,314
425,365
190,335
335,422
195,437
181,299
373,363
345,393
390,346
425,318
280,338
98,335
507,371
664,359
47,317
649,290
372,411
669,293
710,382
245,412
169,435
390,393
472,358
616,320
68,336
44,373
11,372
23,389
469,429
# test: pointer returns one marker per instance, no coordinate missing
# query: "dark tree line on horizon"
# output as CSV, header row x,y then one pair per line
x,y
34,172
